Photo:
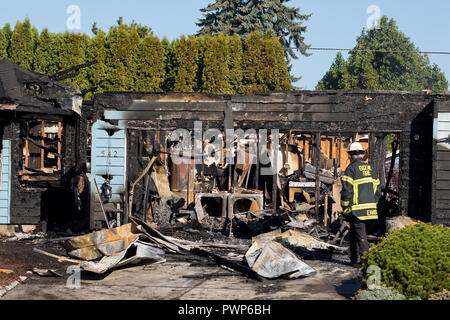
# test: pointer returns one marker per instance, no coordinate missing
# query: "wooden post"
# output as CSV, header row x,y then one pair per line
x,y
317,164
339,150
287,152
101,204
304,153
325,212
59,143
27,153
275,175
147,185
257,166
43,143
188,180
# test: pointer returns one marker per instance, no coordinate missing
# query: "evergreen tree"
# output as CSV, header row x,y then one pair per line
x,y
73,53
35,39
96,50
275,72
151,72
21,47
7,31
337,76
245,16
119,60
367,76
202,44
130,58
395,65
222,16
143,31
46,56
216,72
235,64
169,71
3,46
264,66
252,64
185,53
95,28
133,58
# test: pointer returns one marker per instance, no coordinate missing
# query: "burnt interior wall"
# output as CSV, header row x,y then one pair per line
x,y
327,112
138,155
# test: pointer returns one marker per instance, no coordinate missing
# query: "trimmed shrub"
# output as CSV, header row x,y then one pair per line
x,y
381,293
443,295
414,260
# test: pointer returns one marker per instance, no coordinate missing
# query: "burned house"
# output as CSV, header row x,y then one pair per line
x,y
136,136
40,127
187,156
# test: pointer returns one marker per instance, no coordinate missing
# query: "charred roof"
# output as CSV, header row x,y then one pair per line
x,y
29,91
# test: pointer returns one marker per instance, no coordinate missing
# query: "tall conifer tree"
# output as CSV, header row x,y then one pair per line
x,y
394,65
235,64
118,60
3,46
185,52
96,50
46,57
169,74
151,71
245,16
216,72
73,53
22,45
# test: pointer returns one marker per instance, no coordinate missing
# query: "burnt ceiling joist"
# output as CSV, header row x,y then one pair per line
x,y
311,111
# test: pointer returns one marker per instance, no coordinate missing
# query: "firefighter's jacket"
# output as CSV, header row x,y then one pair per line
x,y
360,191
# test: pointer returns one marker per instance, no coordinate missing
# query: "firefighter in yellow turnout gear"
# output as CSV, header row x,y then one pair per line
x,y
359,198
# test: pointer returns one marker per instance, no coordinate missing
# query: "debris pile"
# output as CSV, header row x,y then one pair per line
x,y
270,255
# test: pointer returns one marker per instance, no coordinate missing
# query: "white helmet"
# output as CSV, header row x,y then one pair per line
x,y
356,147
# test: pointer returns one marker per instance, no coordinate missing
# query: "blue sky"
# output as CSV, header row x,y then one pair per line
x,y
333,24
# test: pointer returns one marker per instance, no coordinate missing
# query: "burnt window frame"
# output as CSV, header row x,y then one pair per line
x,y
35,176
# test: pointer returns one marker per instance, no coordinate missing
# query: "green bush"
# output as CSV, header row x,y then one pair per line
x,y
443,295
414,260
381,293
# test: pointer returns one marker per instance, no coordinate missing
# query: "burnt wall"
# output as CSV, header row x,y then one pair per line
x,y
35,201
441,164
326,112
416,162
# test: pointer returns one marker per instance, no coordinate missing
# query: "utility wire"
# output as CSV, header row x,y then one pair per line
x,y
380,51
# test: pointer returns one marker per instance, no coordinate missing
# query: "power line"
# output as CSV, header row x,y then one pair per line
x,y
380,51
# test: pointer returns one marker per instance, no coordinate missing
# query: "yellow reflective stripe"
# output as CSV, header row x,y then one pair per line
x,y
368,217
364,206
347,210
355,194
347,179
363,180
376,183
345,203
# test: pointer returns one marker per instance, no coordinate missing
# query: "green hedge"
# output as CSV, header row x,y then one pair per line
x,y
131,58
414,260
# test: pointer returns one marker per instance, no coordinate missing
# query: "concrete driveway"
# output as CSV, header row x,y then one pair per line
x,y
175,279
